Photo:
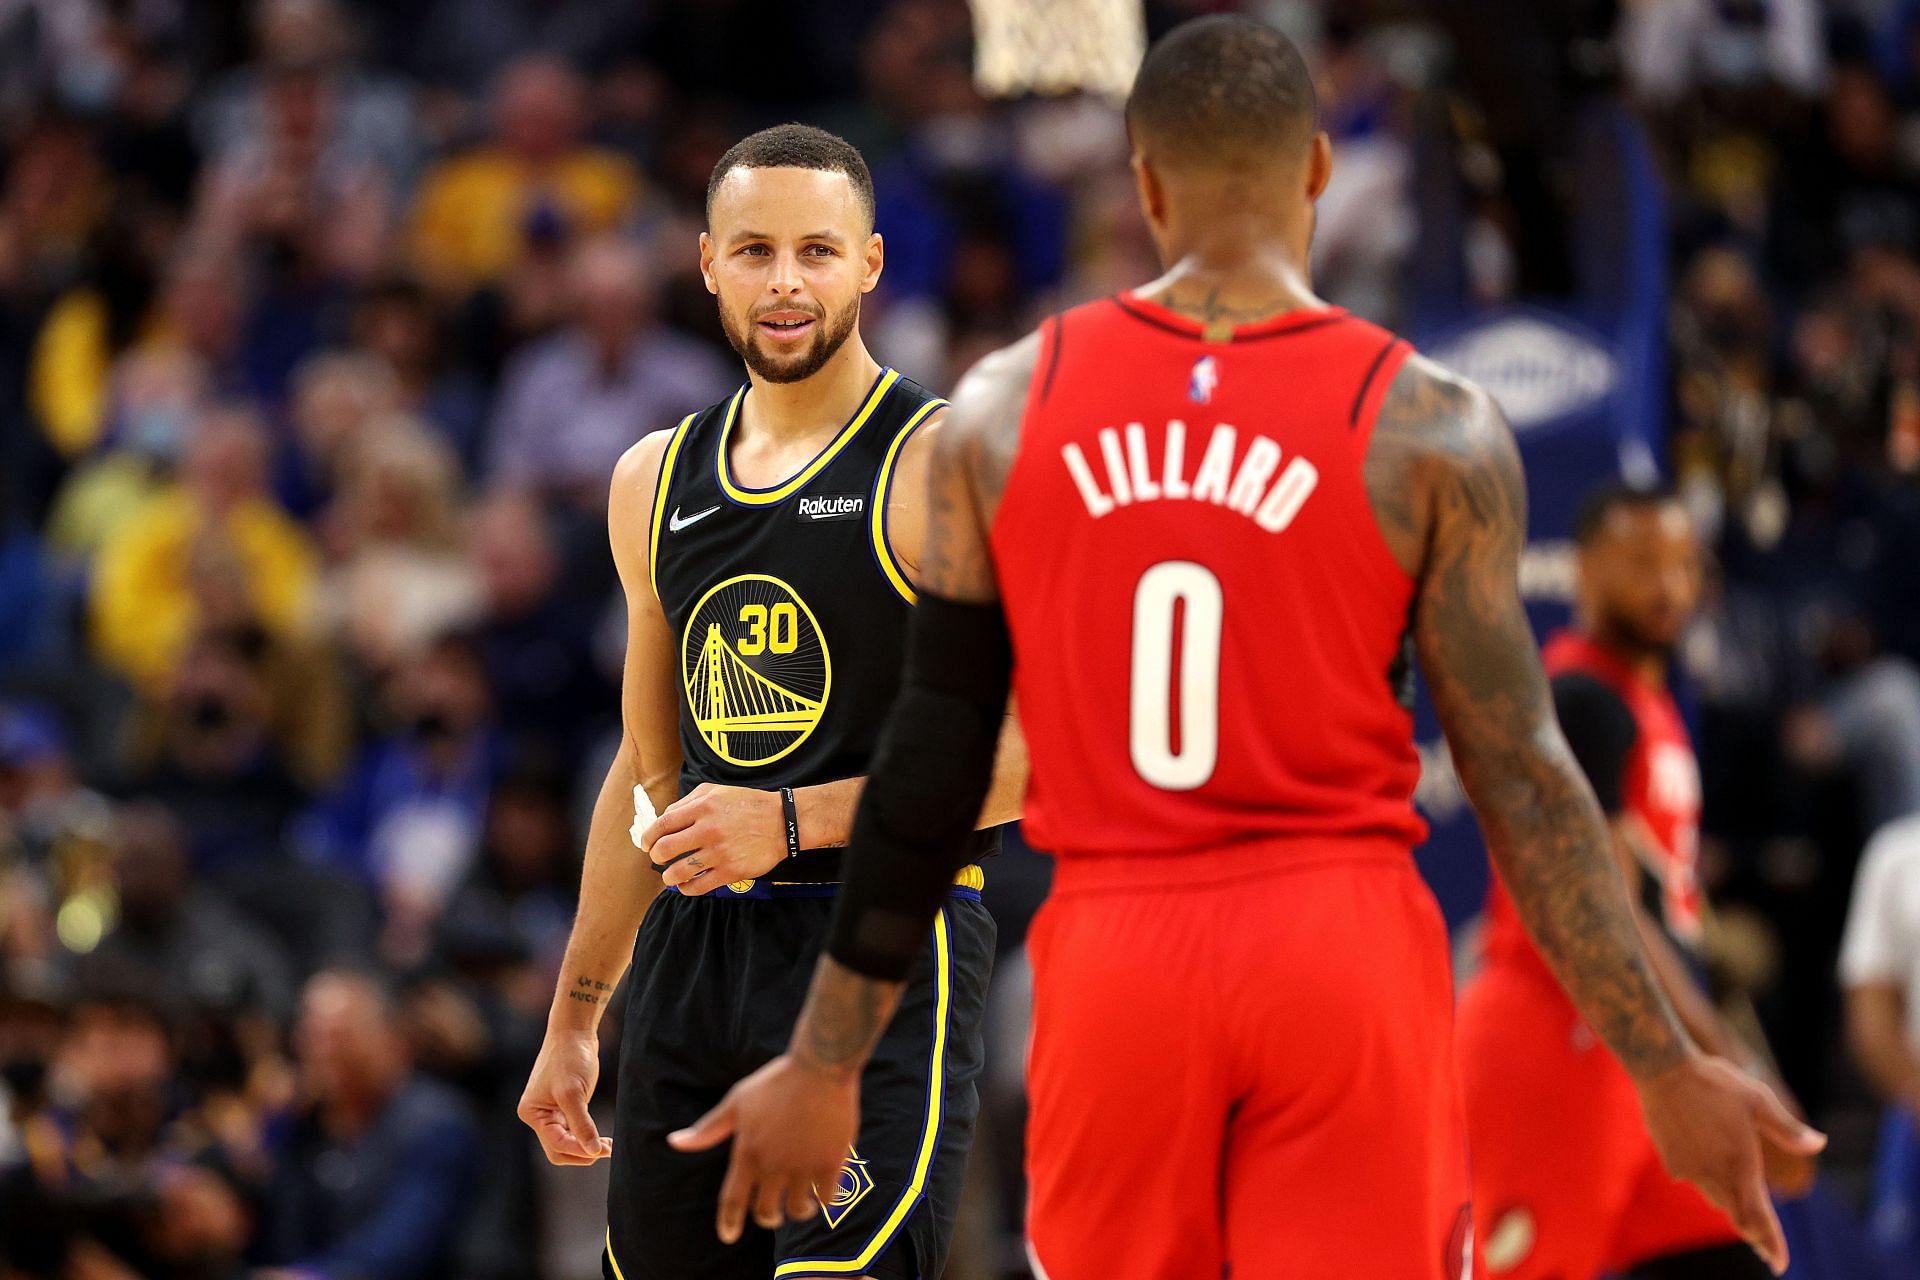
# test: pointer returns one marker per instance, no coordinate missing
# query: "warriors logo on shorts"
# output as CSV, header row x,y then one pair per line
x,y
756,669
852,1188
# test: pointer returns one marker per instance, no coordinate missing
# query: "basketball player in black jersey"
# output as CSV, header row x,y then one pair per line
x,y
767,546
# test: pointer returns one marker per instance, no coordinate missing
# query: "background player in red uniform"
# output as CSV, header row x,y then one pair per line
x,y
1206,516
1567,1180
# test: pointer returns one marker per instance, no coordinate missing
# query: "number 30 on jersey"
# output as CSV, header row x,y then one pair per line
x,y
1177,605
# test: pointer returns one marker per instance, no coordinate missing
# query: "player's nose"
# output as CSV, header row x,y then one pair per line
x,y
785,278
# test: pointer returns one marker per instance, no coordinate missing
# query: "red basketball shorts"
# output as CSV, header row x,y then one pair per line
x,y
1566,1183
1244,1057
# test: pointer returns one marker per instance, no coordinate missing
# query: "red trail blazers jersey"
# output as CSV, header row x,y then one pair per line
x,y
1210,628
1659,785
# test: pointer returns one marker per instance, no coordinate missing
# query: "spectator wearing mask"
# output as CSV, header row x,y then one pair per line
x,y
207,751
375,1178
408,818
121,1180
145,609
471,219
155,395
573,403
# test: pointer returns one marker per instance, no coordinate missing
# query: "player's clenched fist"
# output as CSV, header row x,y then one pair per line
x,y
554,1105
1709,1119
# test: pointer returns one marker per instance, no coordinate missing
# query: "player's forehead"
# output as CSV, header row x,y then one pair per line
x,y
783,201
1640,529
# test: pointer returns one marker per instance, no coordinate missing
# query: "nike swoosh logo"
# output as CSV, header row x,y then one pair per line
x,y
676,524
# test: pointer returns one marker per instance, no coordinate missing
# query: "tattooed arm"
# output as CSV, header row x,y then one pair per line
x,y
614,891
1446,486
793,1121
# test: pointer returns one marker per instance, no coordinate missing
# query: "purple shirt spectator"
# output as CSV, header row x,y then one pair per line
x,y
571,405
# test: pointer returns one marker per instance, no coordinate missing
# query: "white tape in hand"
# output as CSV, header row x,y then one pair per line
x,y
643,815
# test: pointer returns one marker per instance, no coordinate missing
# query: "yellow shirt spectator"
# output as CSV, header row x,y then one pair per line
x,y
469,219
150,580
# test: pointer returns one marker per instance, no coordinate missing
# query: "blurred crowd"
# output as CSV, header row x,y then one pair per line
x,y
322,323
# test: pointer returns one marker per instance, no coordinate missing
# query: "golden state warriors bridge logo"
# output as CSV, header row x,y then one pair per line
x,y
756,669
850,1190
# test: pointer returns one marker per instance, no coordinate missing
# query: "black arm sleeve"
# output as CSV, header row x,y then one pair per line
x,y
929,778
1600,729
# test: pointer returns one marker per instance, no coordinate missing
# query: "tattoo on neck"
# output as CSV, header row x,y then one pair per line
x,y
1211,310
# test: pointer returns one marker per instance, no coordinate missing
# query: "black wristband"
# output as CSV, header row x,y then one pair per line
x,y
792,813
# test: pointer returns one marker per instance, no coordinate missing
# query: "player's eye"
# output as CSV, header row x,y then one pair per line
x,y
820,250
754,250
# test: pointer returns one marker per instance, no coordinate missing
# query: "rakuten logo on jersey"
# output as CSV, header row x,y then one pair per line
x,y
1148,466
839,506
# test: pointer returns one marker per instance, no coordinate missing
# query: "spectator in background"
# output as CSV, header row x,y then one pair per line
x,y
123,1181
216,522
197,953
516,905
374,1179
537,638
401,575
408,818
473,212
107,312
156,394
1880,971
572,404
335,395
42,799
360,126
396,320
206,750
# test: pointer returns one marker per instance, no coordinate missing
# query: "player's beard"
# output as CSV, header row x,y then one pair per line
x,y
1627,633
828,338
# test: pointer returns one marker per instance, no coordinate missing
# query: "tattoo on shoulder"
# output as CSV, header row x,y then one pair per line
x,y
1441,450
972,456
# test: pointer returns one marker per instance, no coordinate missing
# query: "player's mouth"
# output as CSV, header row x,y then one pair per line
x,y
786,326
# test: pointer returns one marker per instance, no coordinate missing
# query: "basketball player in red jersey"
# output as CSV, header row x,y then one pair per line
x,y
1209,516
1567,1180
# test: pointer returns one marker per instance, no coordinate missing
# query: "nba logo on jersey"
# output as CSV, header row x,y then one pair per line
x,y
1202,381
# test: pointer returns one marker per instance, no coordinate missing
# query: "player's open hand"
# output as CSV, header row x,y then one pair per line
x,y
1708,1119
554,1104
792,1126
714,836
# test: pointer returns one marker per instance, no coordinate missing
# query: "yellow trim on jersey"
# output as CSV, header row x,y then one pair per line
x,y
971,877
929,1137
767,497
883,549
660,501
617,1273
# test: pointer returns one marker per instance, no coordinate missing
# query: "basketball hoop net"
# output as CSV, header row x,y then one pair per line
x,y
1057,46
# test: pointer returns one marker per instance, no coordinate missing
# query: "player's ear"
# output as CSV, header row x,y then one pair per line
x,y
1153,196
876,259
1319,164
706,263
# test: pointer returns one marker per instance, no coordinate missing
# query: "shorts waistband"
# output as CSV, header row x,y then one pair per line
x,y
1206,868
968,884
